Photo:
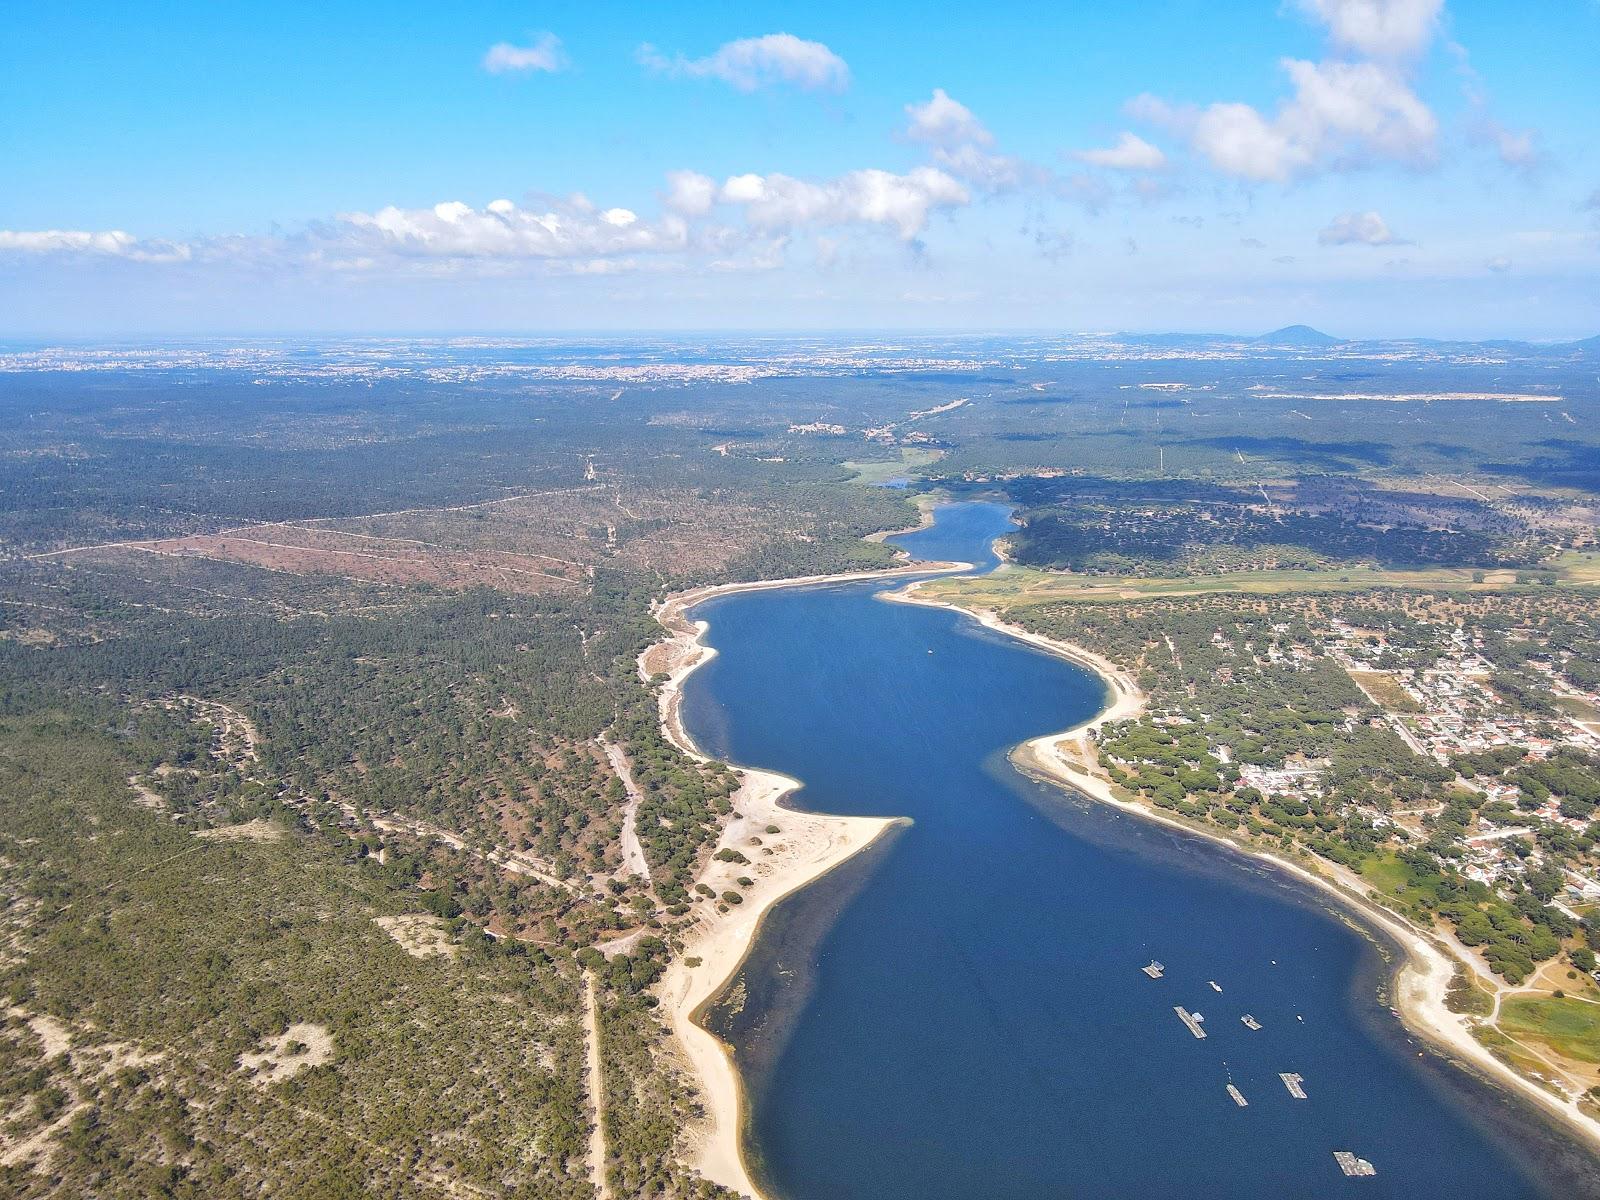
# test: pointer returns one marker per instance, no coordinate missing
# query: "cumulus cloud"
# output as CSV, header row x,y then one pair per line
x,y
757,62
1131,153
545,54
1359,229
571,236
112,243
1352,109
690,193
959,144
1341,114
943,121
1387,29
1499,264
901,203
503,230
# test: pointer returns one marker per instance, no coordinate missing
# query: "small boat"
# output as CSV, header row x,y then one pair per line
x,y
1215,986
1250,1022
1155,970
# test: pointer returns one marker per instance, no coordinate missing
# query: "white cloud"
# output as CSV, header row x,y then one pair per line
x,y
501,230
1359,229
1517,148
989,172
1387,29
569,236
756,62
959,144
112,243
1131,153
690,193
943,121
871,197
1499,264
545,54
1342,112
1341,115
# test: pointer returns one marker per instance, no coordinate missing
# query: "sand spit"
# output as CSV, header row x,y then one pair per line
x,y
806,847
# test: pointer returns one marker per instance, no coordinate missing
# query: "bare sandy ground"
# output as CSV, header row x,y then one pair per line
x,y
633,859
420,935
595,1082
259,830
304,1044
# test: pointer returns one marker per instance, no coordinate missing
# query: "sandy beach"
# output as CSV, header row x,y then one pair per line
x,y
1422,980
807,846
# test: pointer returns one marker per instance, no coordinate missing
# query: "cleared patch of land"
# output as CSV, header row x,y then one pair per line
x,y
1384,690
419,935
304,1044
302,551
1568,1025
251,831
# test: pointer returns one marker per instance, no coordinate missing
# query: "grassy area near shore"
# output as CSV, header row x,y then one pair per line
x,y
1569,1025
876,474
1014,585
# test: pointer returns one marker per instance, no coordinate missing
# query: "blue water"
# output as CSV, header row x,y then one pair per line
x,y
959,1012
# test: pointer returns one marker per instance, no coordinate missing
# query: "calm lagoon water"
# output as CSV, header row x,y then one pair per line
x,y
958,1014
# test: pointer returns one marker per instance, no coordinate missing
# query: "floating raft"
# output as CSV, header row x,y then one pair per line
x,y
1250,1022
1292,1080
1238,1096
1351,1165
1155,970
1192,1020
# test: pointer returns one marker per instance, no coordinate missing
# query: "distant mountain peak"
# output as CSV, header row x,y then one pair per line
x,y
1298,335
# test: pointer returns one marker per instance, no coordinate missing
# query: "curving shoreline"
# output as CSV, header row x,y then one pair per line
x,y
811,844
808,847
1422,979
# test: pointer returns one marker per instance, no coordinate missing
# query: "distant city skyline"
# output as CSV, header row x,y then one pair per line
x,y
1374,168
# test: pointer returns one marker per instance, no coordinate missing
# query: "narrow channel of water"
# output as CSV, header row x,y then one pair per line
x,y
959,1014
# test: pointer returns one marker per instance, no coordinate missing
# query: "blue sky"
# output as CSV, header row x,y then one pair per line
x,y
1376,167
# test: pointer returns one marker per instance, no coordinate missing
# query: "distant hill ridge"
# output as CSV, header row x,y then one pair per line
x,y
1298,335
1305,337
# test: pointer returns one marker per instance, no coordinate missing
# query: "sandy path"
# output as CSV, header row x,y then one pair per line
x,y
633,860
597,1090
